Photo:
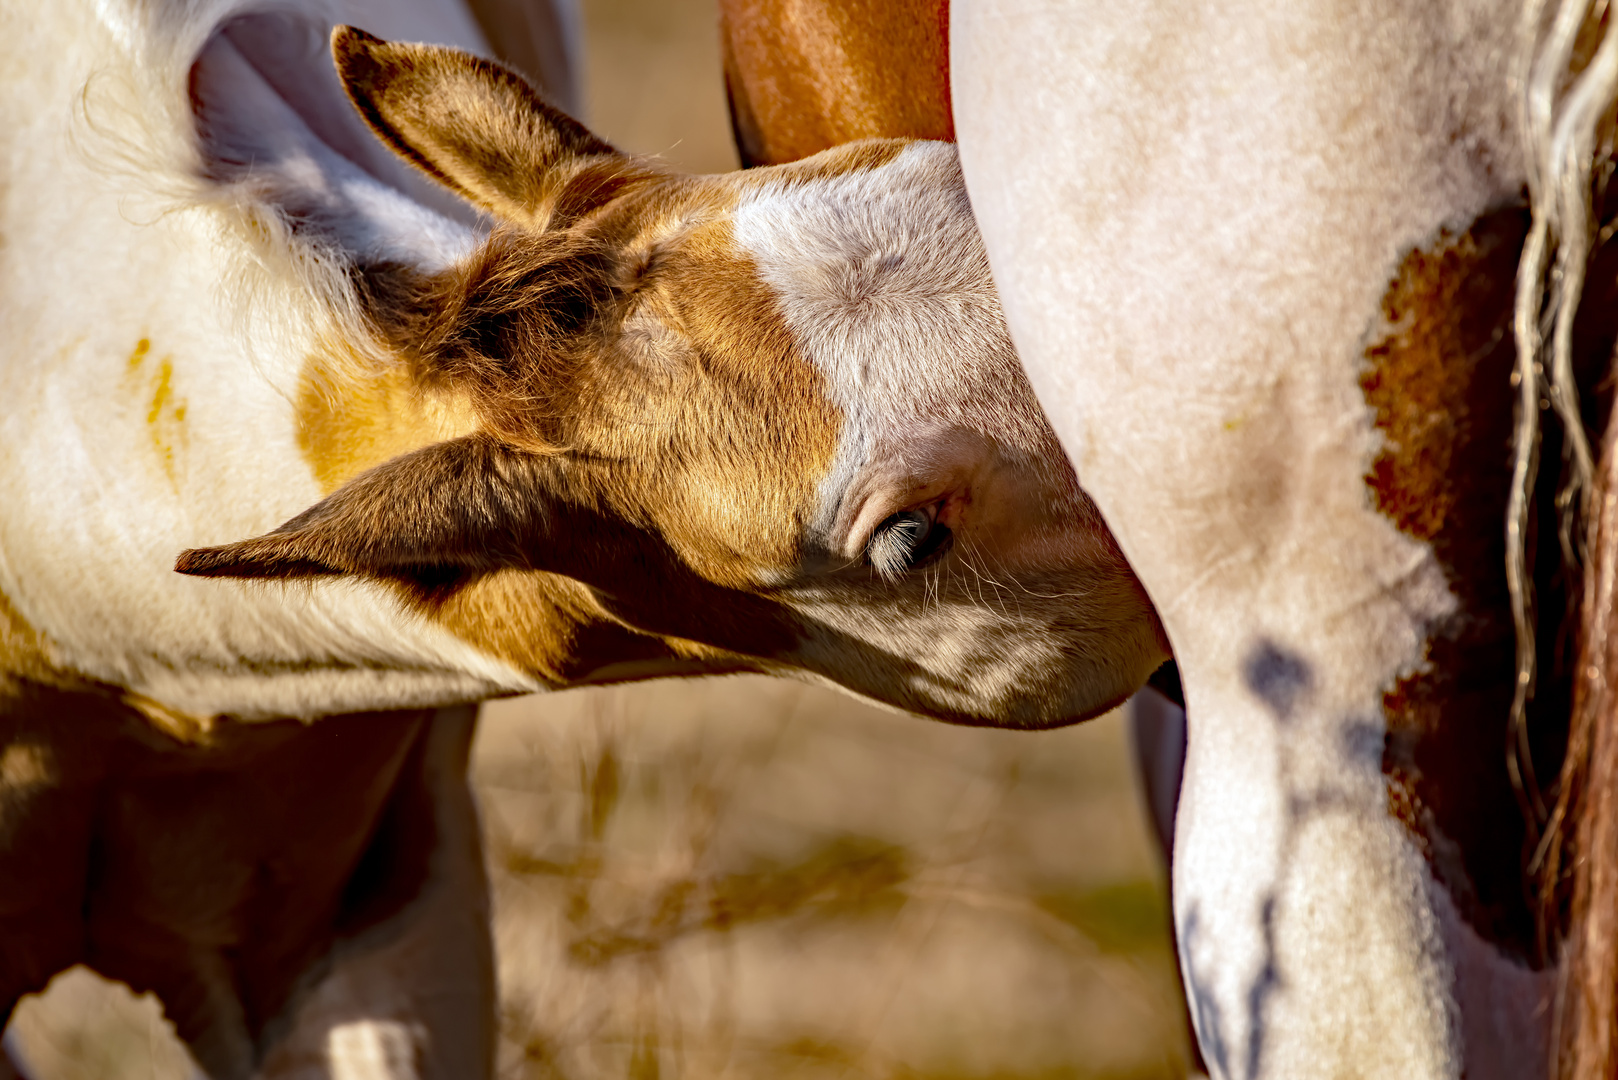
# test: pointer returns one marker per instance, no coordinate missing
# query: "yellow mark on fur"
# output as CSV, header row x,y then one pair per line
x,y
18,641
166,419
165,413
353,415
23,652
160,396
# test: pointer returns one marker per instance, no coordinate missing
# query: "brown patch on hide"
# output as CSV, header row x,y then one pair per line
x,y
642,356
805,75
643,347
723,435
1438,382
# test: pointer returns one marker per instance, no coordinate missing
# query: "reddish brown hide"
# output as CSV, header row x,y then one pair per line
x,y
216,875
806,75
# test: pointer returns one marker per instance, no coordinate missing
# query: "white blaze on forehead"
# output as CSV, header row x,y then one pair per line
x,y
883,280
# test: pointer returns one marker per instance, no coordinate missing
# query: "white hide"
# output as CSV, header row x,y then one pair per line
x,y
875,296
882,278
107,238
1192,212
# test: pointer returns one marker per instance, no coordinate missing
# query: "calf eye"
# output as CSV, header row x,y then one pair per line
x,y
905,541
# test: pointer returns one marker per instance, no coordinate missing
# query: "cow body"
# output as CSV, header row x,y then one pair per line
x,y
639,425
290,888
147,404
803,76
1262,266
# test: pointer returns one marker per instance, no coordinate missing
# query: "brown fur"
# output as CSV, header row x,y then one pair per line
x,y
806,75
1433,380
594,442
469,123
214,876
1580,875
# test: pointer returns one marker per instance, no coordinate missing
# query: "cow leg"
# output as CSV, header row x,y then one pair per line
x,y
409,993
9,1069
54,747
1157,730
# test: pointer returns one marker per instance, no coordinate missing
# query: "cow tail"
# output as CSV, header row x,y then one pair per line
x,y
1568,77
1588,804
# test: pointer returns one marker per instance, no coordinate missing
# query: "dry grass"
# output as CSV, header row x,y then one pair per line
x,y
653,83
750,878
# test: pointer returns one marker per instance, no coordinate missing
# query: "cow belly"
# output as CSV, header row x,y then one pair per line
x,y
217,877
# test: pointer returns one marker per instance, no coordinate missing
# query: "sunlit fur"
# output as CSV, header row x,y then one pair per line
x,y
736,378
278,222
804,77
1196,222
516,412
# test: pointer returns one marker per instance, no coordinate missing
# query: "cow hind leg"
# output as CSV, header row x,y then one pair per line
x,y
9,1068
409,993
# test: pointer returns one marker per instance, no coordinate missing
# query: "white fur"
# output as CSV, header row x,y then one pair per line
x,y
108,239
1192,214
373,1050
881,273
882,278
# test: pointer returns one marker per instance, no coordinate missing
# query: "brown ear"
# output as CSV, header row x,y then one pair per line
x,y
432,516
473,125
437,518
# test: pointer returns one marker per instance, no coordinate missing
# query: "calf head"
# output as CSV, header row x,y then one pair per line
x,y
770,420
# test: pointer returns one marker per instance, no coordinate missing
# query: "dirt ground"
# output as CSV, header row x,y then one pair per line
x,y
752,878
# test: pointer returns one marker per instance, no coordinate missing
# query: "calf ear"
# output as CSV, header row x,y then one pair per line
x,y
474,126
437,518
431,516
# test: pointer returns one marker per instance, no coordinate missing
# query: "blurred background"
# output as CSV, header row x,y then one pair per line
x,y
752,878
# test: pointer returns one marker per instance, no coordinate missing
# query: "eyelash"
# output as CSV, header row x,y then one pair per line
x,y
906,540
